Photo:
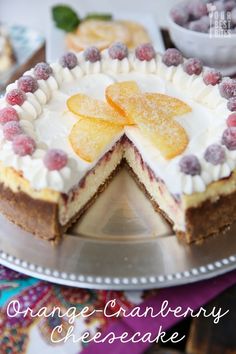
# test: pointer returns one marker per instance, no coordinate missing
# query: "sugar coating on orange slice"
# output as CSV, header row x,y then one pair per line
x,y
170,139
117,95
87,107
157,126
90,137
170,106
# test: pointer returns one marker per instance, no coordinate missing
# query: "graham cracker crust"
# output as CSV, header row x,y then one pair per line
x,y
210,218
33,215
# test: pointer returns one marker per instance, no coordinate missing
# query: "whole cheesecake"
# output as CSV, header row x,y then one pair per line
x,y
67,127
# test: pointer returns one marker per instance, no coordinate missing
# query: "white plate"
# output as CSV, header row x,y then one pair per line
x,y
120,243
25,42
56,38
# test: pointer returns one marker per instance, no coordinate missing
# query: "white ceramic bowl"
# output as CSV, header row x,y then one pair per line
x,y
217,52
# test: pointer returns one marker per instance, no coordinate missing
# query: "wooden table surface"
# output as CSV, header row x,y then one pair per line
x,y
202,335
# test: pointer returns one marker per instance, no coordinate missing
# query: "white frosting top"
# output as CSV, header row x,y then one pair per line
x,y
45,117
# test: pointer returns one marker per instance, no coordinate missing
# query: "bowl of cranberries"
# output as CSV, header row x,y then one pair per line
x,y
207,30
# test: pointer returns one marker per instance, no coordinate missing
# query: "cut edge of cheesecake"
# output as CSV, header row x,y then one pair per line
x,y
48,214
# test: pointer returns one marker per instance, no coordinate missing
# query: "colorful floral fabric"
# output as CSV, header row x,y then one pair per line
x,y
27,334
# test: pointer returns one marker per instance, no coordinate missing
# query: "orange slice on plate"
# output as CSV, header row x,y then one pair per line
x,y
87,107
78,43
90,137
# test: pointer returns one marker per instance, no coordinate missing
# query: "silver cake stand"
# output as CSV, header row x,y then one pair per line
x,y
120,243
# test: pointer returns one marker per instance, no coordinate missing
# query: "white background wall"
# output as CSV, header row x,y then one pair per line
x,y
36,13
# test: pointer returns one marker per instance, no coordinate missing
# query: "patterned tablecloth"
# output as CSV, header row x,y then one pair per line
x,y
23,333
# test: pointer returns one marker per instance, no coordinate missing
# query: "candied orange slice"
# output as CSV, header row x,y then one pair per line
x,y
89,137
166,134
117,96
170,106
88,107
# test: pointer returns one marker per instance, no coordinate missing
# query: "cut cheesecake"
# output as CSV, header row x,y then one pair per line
x,y
55,161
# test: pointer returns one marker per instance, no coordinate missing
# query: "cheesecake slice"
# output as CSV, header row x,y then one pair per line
x,y
67,127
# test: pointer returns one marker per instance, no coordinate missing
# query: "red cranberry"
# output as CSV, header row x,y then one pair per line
x,y
55,159
179,14
11,129
197,8
198,26
227,88
118,51
215,154
193,66
15,97
92,54
68,60
190,165
42,71
229,5
8,114
231,120
212,77
173,57
145,52
27,83
23,145
229,138
231,104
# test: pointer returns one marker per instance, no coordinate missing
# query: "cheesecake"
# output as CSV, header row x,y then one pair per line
x,y
68,127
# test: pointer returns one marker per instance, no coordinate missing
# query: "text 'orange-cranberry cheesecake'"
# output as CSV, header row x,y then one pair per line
x,y
67,127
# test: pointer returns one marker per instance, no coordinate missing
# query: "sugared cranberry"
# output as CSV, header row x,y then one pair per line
x,y
215,154
23,145
118,51
55,159
193,66
198,26
190,165
231,120
8,114
11,129
179,14
145,52
229,138
197,8
42,71
227,88
231,104
15,97
173,57
27,83
92,54
68,60
212,77
229,5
